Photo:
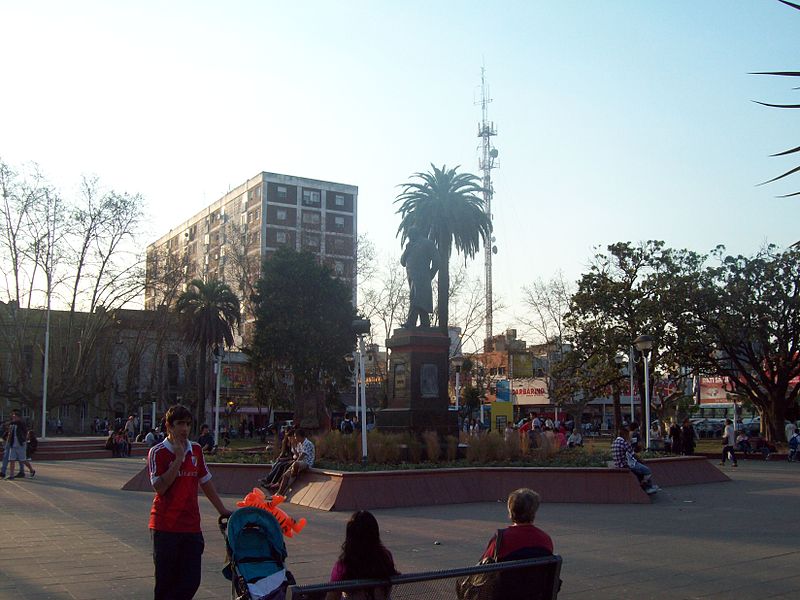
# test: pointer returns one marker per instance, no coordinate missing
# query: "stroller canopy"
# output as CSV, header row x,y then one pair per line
x,y
256,544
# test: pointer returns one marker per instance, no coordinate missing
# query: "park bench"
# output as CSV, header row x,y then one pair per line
x,y
534,579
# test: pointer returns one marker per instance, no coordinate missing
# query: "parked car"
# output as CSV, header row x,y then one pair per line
x,y
707,428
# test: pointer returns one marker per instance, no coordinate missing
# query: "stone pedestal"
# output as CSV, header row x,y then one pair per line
x,y
418,378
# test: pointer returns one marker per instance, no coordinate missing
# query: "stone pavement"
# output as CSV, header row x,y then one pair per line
x,y
72,533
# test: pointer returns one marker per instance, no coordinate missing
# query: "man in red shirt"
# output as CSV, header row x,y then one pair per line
x,y
177,468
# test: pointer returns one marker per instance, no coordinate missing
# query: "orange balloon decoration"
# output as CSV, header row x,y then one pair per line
x,y
258,499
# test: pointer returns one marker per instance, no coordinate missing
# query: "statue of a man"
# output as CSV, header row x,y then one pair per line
x,y
421,260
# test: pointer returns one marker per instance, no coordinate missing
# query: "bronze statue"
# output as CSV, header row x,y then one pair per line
x,y
421,260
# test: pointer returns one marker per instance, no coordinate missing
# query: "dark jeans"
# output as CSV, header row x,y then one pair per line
x,y
726,452
177,558
278,469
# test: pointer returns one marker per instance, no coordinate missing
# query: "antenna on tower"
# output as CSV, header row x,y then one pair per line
x,y
487,161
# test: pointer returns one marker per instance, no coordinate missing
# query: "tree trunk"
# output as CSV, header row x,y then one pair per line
x,y
773,420
617,409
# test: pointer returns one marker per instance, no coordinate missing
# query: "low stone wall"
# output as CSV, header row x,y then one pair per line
x,y
340,490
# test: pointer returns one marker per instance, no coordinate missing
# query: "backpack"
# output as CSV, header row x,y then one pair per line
x,y
347,427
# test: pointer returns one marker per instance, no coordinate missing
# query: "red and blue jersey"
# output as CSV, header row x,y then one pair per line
x,y
176,510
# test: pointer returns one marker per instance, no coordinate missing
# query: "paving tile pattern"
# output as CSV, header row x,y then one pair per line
x,y
73,533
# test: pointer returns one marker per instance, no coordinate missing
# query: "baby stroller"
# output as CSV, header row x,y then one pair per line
x,y
255,555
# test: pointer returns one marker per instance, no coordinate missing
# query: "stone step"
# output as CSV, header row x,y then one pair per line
x,y
50,450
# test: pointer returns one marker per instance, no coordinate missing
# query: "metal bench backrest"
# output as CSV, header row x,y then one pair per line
x,y
531,579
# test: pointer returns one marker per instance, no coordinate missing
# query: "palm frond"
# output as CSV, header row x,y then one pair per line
x,y
777,105
795,170
780,73
785,152
792,4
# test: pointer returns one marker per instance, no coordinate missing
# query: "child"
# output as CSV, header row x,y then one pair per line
x,y
31,447
794,442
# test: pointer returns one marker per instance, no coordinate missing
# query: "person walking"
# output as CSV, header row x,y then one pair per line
x,y
16,443
7,450
177,468
687,438
729,443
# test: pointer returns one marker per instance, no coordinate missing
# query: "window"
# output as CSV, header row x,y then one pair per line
x,y
255,237
280,236
281,193
63,410
338,267
311,218
338,222
310,197
339,200
339,245
312,241
281,214
254,215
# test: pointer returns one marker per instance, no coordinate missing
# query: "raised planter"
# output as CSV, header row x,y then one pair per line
x,y
341,490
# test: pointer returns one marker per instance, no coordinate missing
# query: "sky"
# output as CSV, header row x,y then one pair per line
x,y
621,120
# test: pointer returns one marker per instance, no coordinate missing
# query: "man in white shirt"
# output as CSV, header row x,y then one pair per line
x,y
729,443
305,459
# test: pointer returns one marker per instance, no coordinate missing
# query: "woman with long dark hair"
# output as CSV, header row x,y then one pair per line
x,y
363,556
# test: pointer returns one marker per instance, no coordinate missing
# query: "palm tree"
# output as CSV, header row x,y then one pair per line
x,y
208,312
793,150
446,205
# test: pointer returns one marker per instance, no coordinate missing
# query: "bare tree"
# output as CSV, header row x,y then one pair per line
x,y
77,258
385,297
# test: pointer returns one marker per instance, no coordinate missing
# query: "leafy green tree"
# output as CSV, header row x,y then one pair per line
x,y
208,312
744,324
445,204
304,318
629,291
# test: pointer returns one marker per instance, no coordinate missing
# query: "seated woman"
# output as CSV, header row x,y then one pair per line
x,y
282,462
522,539
743,443
575,439
363,557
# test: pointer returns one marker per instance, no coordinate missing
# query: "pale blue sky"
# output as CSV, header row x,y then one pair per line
x,y
617,120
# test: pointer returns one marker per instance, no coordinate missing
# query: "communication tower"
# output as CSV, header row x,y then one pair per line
x,y
486,162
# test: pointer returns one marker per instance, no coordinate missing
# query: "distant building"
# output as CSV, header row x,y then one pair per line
x,y
229,239
106,364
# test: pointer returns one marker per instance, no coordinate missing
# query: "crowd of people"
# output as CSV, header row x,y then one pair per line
x,y
178,471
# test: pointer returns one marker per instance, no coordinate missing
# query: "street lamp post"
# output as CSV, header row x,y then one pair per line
x,y
458,362
644,344
361,327
630,373
219,354
619,359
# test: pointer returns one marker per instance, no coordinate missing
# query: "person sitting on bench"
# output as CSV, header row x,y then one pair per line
x,y
624,458
305,460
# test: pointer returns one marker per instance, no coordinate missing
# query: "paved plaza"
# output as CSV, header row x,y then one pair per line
x,y
72,533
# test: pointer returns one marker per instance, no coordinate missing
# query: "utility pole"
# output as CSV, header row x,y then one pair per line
x,y
487,161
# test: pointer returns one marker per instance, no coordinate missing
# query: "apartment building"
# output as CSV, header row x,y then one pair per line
x,y
229,239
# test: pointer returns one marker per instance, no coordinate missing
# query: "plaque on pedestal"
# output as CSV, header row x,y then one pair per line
x,y
418,384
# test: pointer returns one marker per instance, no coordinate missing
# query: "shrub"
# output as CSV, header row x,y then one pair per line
x,y
433,448
414,447
383,448
452,448
338,447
